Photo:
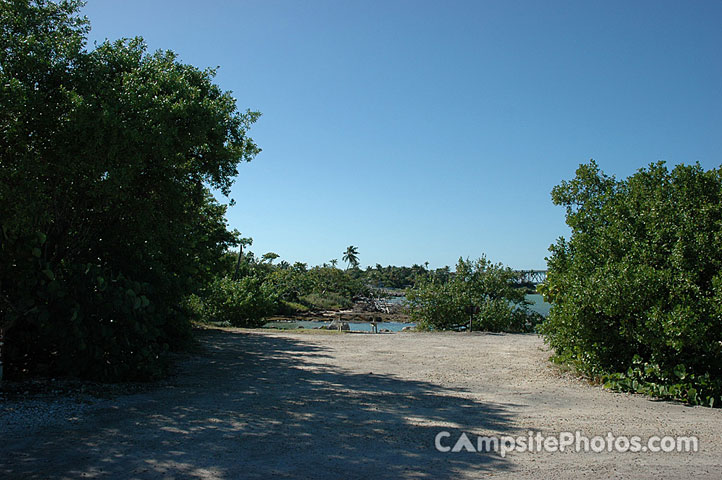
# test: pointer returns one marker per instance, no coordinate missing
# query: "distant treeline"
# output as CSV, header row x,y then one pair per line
x,y
378,276
250,288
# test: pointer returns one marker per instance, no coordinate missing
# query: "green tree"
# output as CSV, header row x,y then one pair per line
x,y
269,257
491,288
242,303
350,256
637,289
107,220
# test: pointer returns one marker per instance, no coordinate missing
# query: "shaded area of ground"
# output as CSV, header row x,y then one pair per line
x,y
260,406
263,404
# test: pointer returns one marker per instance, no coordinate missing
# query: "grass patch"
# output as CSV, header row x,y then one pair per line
x,y
327,301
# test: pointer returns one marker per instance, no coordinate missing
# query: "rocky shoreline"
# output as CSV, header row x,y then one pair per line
x,y
364,310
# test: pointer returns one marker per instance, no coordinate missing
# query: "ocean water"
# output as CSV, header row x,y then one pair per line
x,y
355,326
538,305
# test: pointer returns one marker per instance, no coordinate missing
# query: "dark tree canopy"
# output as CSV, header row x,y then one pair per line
x,y
107,157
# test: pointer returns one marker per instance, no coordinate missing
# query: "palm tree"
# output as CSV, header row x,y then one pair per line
x,y
333,262
351,256
243,242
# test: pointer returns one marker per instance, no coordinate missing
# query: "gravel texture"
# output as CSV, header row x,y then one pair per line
x,y
258,404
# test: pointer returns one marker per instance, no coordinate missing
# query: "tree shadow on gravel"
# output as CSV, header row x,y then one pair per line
x,y
261,406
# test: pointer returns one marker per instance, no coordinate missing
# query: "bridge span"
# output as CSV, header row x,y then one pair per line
x,y
533,277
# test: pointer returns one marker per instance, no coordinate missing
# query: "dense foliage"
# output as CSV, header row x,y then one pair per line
x,y
107,223
637,289
240,303
491,288
263,289
402,277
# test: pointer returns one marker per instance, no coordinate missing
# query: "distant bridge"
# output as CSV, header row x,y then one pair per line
x,y
532,277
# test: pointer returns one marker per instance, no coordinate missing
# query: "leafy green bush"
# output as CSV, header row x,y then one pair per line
x,y
291,308
637,289
491,288
81,320
646,378
242,303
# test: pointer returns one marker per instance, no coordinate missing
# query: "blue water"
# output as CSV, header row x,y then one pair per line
x,y
355,326
538,305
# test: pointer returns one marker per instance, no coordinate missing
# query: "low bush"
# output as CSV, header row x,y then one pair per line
x,y
81,320
242,303
492,289
291,308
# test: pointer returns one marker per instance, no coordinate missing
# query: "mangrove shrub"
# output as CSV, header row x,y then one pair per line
x,y
492,290
637,289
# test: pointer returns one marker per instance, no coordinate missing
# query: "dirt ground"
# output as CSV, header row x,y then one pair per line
x,y
256,404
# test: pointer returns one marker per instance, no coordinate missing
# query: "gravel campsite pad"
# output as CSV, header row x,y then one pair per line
x,y
261,404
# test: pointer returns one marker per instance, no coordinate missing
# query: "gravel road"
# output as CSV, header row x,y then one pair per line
x,y
259,404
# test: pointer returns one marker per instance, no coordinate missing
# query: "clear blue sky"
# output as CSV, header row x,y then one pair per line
x,y
424,131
